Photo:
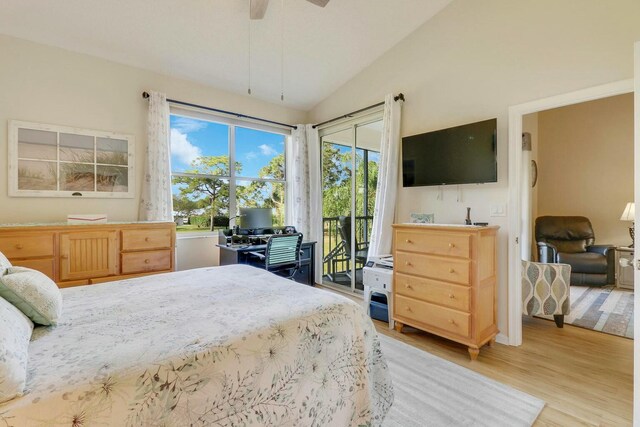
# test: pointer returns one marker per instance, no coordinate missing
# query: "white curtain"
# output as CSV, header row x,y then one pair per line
x,y
303,188
384,209
156,201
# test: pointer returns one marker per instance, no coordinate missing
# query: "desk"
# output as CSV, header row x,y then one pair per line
x,y
240,255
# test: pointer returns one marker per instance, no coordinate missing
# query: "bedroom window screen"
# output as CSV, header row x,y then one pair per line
x,y
220,165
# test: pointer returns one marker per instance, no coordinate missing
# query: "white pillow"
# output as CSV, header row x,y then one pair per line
x,y
34,293
4,264
15,333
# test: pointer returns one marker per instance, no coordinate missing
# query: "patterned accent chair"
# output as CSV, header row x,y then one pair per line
x,y
545,290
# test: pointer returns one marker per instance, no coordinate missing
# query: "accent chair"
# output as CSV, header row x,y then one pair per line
x,y
545,290
570,240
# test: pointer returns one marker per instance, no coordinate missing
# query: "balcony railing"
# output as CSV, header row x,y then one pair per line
x,y
335,259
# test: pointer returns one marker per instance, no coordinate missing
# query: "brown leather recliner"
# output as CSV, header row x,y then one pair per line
x,y
570,240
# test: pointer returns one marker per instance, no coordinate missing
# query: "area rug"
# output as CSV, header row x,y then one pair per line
x,y
430,391
607,309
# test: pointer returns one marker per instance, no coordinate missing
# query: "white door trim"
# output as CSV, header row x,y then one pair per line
x,y
516,113
636,302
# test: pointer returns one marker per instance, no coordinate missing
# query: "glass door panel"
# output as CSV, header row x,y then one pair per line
x,y
367,151
337,183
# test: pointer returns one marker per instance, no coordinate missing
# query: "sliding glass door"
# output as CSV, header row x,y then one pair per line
x,y
350,158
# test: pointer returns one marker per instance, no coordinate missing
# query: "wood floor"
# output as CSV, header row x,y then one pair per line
x,y
585,377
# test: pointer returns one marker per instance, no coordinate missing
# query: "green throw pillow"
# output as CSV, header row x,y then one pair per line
x,y
35,294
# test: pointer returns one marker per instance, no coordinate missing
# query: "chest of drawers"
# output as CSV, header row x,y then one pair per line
x,y
74,255
445,282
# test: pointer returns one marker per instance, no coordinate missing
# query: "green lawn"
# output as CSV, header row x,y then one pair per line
x,y
187,228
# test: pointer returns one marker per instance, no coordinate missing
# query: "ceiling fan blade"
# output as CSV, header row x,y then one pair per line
x,y
321,3
258,9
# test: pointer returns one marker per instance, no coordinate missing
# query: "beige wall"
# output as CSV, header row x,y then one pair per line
x,y
586,164
51,85
475,59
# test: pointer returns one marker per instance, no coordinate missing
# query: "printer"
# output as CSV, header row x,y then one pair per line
x,y
377,276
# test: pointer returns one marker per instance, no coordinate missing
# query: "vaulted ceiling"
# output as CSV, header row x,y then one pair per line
x,y
207,40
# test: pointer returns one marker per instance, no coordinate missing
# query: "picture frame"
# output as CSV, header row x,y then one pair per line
x,y
422,218
61,161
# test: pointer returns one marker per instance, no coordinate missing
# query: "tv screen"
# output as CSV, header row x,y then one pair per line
x,y
459,155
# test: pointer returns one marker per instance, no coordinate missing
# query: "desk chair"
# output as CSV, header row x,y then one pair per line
x,y
282,255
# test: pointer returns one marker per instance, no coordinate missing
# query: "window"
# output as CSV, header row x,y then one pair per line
x,y
58,161
219,166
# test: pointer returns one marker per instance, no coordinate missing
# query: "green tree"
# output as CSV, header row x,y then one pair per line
x,y
336,181
260,194
184,206
214,191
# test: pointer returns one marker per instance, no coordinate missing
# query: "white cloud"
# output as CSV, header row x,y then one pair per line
x,y
251,155
184,150
267,150
186,125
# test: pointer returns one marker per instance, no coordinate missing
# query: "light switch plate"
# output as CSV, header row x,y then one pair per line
x,y
498,209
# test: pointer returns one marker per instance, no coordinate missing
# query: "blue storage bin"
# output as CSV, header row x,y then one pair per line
x,y
378,308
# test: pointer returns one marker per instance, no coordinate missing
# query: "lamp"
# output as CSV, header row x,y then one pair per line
x,y
629,214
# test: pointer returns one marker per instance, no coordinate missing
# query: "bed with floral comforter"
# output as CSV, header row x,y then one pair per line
x,y
220,346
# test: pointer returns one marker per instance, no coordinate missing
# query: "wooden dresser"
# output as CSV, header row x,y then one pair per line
x,y
445,282
75,255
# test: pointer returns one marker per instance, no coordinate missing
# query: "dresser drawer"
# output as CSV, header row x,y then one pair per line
x,y
435,243
27,245
447,319
146,239
43,265
449,269
429,290
139,262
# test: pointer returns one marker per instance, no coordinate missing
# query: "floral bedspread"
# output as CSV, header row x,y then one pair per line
x,y
220,346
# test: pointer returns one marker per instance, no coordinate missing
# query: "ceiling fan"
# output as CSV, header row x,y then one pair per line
x,y
259,7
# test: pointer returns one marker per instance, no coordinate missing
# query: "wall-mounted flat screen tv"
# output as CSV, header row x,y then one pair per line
x,y
460,155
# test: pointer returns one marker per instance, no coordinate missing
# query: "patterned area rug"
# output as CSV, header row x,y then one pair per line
x,y
607,309
430,391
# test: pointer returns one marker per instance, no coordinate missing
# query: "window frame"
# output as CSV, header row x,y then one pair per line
x,y
232,178
13,161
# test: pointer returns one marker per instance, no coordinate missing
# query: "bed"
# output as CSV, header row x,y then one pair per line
x,y
225,346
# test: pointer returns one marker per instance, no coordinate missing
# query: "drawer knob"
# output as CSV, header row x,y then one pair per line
x,y
147,261
407,263
453,322
408,308
146,239
451,270
408,241
452,296
452,245
19,246
408,286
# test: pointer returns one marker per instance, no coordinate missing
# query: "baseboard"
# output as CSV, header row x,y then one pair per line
x,y
502,339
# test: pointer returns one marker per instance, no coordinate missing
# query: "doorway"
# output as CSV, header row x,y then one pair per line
x,y
520,221
350,159
581,186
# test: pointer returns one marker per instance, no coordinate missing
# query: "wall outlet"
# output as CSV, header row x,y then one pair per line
x,y
498,209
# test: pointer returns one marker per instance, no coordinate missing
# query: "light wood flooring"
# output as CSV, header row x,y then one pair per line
x,y
585,377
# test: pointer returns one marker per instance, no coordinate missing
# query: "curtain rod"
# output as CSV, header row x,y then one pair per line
x,y
145,95
400,96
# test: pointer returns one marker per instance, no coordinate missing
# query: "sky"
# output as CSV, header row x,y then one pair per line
x,y
192,138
